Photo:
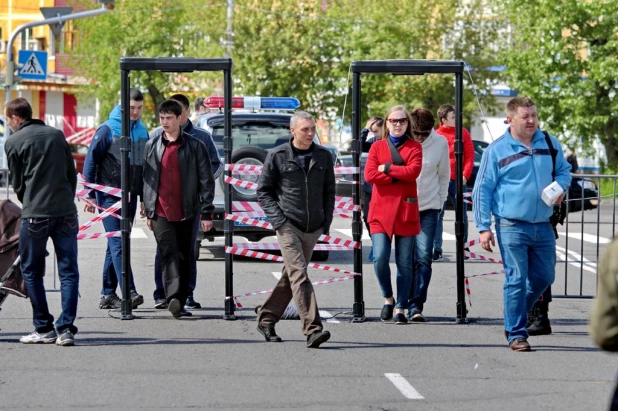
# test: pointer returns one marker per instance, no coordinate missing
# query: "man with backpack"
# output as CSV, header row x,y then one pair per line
x,y
514,171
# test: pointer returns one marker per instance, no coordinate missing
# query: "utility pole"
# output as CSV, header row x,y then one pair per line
x,y
228,42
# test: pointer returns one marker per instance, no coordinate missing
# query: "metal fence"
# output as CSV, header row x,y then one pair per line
x,y
588,227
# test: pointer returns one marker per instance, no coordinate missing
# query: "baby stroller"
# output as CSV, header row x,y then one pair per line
x,y
11,281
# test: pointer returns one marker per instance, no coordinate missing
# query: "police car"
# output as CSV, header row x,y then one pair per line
x,y
258,124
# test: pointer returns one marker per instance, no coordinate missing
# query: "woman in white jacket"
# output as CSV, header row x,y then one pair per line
x,y
432,188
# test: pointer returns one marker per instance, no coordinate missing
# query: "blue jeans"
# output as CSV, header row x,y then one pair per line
x,y
403,259
452,194
529,254
112,267
33,237
159,292
422,259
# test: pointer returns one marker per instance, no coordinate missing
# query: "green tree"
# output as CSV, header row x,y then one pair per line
x,y
564,55
145,28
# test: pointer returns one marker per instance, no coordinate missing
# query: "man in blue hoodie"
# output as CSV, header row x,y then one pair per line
x,y
102,166
513,173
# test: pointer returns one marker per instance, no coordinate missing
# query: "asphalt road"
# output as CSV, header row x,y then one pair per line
x,y
204,362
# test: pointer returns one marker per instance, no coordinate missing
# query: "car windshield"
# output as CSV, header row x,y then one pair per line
x,y
262,135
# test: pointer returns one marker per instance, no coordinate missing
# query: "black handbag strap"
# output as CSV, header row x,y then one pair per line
x,y
395,156
553,153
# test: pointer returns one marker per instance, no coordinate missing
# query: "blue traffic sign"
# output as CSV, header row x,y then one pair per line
x,y
33,65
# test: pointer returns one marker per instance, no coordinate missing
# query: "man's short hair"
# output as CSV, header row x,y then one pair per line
x,y
170,107
444,110
515,103
19,107
182,99
136,94
199,103
298,115
423,118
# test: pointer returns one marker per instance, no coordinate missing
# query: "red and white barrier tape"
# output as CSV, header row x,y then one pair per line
x,y
482,257
101,216
241,183
83,193
270,257
246,169
105,189
85,200
468,291
341,203
85,236
350,244
276,246
344,181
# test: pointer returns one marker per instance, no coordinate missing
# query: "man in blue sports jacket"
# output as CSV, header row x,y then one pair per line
x,y
513,173
217,168
102,166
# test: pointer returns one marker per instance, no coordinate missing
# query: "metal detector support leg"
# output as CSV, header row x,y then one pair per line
x,y
358,309
228,225
459,216
125,147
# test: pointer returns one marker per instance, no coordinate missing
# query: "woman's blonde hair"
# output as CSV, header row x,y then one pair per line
x,y
410,126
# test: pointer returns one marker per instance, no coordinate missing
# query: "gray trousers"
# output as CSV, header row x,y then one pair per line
x,y
296,249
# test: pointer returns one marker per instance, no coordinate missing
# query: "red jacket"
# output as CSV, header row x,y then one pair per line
x,y
468,157
394,205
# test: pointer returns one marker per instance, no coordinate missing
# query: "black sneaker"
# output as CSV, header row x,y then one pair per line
x,y
417,317
65,339
437,255
400,318
269,333
185,313
387,312
191,304
317,338
160,304
109,302
136,299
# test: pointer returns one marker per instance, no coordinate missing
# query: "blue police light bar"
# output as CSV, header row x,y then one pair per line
x,y
279,103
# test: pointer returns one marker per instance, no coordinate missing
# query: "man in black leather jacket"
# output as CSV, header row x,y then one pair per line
x,y
297,193
178,183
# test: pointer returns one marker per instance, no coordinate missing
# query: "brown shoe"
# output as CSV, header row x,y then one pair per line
x,y
520,344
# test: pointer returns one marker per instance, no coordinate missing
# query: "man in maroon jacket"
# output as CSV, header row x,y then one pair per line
x,y
446,115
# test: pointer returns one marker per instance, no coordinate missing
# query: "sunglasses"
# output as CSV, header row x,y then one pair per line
x,y
396,121
422,133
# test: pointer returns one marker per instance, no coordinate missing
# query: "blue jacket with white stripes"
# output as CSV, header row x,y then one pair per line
x,y
512,177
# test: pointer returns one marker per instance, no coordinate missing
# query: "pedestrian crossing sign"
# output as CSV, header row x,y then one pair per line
x,y
33,65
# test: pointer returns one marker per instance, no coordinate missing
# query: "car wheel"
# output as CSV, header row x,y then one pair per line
x,y
247,155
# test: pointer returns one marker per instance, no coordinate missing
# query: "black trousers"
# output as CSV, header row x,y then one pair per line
x,y
174,240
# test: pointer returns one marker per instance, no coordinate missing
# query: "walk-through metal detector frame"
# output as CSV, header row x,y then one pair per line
x,y
170,65
408,67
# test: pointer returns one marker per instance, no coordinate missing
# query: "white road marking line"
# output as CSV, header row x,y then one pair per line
x,y
576,260
404,386
277,274
348,232
589,238
137,232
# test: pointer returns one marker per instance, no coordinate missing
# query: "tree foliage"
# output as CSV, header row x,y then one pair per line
x,y
300,48
564,55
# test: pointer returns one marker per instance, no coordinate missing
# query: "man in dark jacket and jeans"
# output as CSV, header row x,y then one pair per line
x,y
297,193
44,179
178,182
217,168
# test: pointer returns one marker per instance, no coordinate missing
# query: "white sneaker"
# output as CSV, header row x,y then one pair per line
x,y
36,338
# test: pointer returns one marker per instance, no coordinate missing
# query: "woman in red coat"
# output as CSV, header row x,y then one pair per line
x,y
393,165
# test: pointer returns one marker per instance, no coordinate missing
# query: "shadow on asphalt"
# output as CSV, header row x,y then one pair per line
x,y
333,345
